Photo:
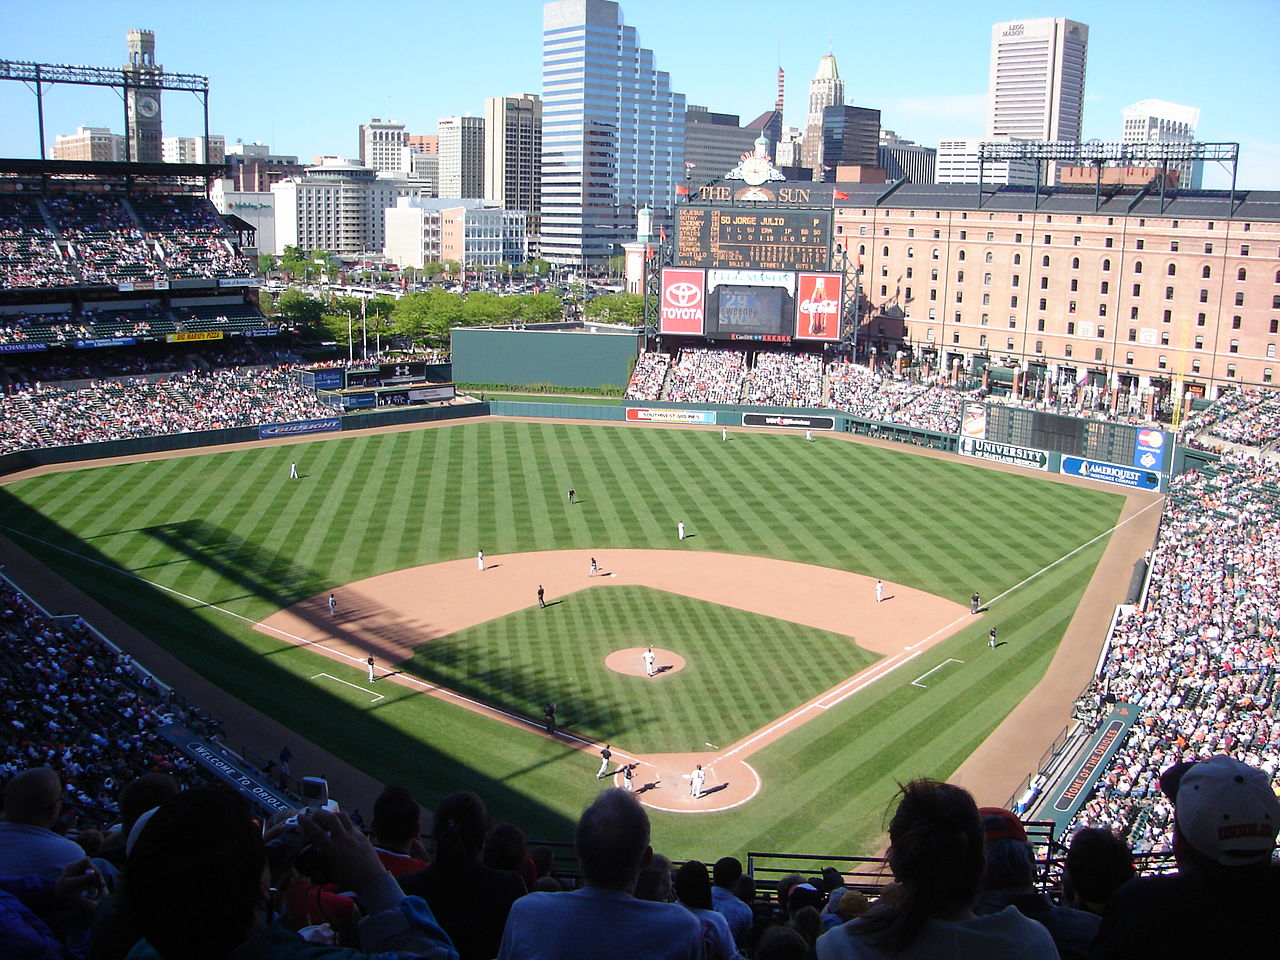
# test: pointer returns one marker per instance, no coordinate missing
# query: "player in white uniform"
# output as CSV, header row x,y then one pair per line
x,y
696,780
648,662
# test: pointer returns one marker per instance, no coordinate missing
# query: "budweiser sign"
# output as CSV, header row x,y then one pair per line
x,y
818,306
684,300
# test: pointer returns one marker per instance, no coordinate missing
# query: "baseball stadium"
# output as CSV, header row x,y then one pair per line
x,y
854,566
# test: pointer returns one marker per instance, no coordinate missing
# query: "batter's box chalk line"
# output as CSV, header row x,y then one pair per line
x,y
916,682
356,686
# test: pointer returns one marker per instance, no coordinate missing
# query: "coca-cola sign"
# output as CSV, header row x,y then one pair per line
x,y
684,300
818,306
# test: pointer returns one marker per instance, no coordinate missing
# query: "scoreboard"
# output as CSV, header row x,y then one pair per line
x,y
738,238
1109,442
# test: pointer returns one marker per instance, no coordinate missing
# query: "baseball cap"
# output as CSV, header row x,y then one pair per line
x,y
1225,809
1001,824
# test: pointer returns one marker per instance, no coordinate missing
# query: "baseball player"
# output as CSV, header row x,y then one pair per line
x,y
594,567
293,471
571,495
605,754
648,662
696,780
808,435
542,603
724,433
333,605
480,561
370,663
879,590
627,785
991,638
680,529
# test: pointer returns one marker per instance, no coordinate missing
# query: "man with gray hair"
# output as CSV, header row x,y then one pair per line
x,y
28,845
603,919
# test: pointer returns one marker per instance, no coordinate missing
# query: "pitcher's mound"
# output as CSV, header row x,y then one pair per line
x,y
630,663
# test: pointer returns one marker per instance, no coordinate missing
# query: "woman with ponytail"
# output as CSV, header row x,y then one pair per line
x,y
937,860
471,901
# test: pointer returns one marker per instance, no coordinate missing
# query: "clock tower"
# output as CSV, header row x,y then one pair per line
x,y
142,73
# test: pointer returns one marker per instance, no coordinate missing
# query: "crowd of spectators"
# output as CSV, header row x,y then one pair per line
x,y
65,238
116,410
1199,658
703,375
649,376
785,380
1247,417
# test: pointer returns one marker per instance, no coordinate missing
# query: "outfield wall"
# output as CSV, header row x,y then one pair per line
x,y
527,356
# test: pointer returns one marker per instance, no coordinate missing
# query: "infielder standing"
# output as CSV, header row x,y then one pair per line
x,y
680,529
370,663
648,662
542,603
333,605
879,590
480,561
594,568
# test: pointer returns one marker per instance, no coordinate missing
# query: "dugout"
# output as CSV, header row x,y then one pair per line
x,y
560,354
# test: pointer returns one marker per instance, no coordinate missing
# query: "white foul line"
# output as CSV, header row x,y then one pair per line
x,y
916,682
376,696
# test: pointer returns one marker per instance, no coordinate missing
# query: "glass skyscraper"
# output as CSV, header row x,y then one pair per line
x,y
612,133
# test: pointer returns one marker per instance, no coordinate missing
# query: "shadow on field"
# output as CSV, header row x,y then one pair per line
x,y
221,650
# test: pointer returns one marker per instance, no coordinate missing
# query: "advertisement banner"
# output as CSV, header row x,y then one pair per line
x,y
104,342
1110,473
326,378
783,420
228,767
297,429
1149,453
973,422
191,337
684,300
1004,453
237,282
260,332
445,391
23,347
818,306
131,285
670,416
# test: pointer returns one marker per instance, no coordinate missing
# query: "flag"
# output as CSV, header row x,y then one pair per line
x,y
662,234
841,195
648,251
681,190
859,261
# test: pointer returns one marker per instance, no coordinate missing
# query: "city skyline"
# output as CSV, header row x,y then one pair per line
x,y
303,84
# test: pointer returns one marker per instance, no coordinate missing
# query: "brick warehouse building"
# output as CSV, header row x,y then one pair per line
x,y
1115,285
1108,288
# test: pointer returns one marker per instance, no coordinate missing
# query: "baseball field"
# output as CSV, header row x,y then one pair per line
x,y
807,697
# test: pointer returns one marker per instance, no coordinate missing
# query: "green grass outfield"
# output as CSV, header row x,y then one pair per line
x,y
234,535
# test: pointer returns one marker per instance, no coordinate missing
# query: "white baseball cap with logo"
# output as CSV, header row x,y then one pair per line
x,y
1227,810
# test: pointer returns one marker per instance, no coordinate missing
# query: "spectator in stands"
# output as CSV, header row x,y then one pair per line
x,y
396,828
655,882
28,844
136,798
470,900
1098,864
1010,881
44,919
936,856
196,882
544,862
612,842
693,892
505,849
726,875
1225,898
782,943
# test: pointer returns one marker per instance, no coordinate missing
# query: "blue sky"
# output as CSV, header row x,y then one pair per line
x,y
303,76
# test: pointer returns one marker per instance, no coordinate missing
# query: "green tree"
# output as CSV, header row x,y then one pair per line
x,y
266,263
617,265
480,309
537,267
432,270
541,307
616,308
299,308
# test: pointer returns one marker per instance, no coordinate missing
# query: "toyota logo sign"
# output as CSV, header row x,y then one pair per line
x,y
683,294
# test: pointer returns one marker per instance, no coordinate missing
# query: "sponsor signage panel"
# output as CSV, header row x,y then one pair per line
x,y
130,285
684,301
1111,473
298,428
1069,796
818,306
260,332
21,347
192,337
646,415
430,394
227,767
237,282
1004,453
973,422
327,379
791,422
1149,453
104,342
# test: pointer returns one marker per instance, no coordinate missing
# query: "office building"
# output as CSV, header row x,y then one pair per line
x,y
513,154
338,206
714,143
461,157
826,89
253,168
1036,86
957,162
89,143
384,146
901,158
193,149
850,138
612,133
477,234
1159,121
